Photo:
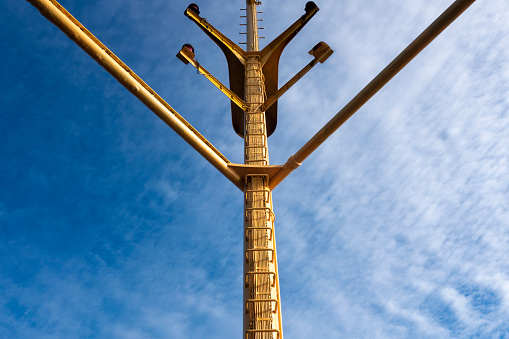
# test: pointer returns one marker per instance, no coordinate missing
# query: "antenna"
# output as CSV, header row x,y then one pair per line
x,y
253,92
253,78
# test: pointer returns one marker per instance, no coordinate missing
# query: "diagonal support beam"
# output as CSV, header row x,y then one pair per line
x,y
186,56
321,52
216,35
270,56
423,40
279,43
55,13
235,57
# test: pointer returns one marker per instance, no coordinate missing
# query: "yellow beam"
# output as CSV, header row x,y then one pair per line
x,y
423,40
233,47
188,56
284,37
274,97
55,13
324,52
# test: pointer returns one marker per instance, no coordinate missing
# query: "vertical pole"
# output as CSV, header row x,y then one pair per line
x,y
252,26
262,317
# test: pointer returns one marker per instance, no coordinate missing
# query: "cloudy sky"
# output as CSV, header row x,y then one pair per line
x,y
397,227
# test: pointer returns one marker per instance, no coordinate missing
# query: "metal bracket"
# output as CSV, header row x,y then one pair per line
x,y
245,170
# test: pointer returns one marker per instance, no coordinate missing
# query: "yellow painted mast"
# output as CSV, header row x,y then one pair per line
x,y
256,178
262,317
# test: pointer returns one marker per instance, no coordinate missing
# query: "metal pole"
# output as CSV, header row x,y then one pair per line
x,y
262,315
423,40
55,13
252,26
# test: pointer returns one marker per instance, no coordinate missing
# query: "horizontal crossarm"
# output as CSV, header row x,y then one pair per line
x,y
55,13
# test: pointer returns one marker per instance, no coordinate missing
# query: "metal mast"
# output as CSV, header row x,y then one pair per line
x,y
254,93
262,317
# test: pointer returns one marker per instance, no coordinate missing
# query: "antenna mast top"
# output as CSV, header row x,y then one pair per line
x,y
252,25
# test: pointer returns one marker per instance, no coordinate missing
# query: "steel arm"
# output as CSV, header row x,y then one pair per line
x,y
216,35
284,38
55,13
423,40
188,57
321,52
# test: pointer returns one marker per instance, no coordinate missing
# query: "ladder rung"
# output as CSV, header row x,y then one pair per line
x,y
265,191
259,209
259,191
261,301
262,331
265,199
259,228
253,195
261,273
260,250
255,154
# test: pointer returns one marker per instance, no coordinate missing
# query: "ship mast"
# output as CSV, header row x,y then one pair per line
x,y
262,316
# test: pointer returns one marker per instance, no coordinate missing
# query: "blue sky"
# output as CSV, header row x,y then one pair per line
x,y
397,227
